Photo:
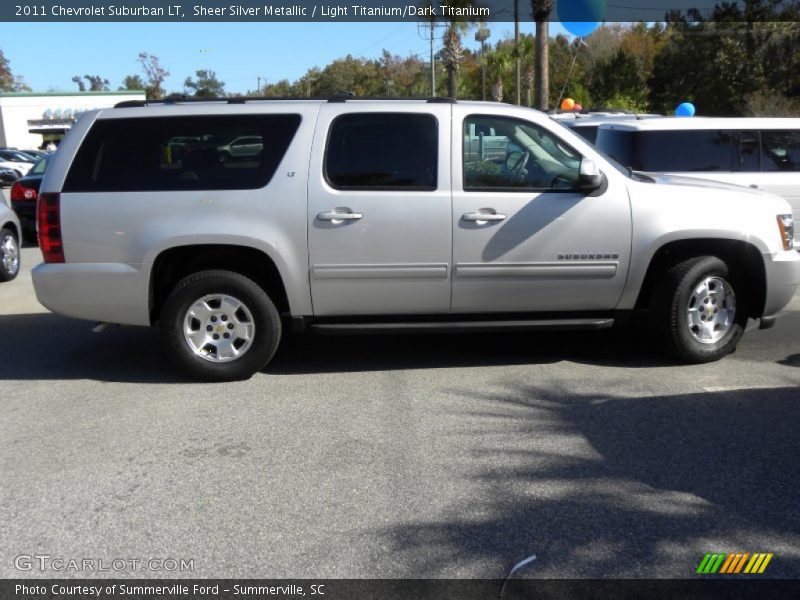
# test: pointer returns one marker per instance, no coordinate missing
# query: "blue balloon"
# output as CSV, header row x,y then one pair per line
x,y
581,17
685,110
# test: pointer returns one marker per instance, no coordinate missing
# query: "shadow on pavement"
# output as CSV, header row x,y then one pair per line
x,y
791,361
338,354
47,346
664,477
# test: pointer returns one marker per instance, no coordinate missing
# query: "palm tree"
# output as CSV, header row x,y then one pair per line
x,y
526,51
453,51
497,65
452,54
541,13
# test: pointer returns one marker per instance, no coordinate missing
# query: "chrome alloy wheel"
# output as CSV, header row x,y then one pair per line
x,y
219,328
9,250
711,310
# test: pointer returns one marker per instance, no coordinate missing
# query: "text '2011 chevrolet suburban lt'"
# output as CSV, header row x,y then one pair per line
x,y
385,216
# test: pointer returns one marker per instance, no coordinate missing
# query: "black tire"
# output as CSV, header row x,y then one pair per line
x,y
204,365
670,303
9,249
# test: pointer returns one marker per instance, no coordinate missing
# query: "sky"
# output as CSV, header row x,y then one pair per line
x,y
48,55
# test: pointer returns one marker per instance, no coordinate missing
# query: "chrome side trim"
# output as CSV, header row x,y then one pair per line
x,y
407,271
559,270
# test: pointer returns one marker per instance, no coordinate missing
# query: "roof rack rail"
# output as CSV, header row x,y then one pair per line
x,y
339,97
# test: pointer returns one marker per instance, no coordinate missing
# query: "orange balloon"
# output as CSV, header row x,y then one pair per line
x,y
568,104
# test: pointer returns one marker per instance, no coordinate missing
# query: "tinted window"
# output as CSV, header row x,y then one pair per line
x,y
587,132
678,151
781,150
179,153
383,151
748,155
509,154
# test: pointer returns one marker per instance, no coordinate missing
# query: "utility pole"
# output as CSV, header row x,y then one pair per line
x,y
517,77
481,36
433,63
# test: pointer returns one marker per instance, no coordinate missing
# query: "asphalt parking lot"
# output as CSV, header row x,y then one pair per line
x,y
428,456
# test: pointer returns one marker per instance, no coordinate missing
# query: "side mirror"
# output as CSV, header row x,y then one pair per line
x,y
590,178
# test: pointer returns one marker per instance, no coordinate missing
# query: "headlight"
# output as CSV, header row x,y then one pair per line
x,y
786,227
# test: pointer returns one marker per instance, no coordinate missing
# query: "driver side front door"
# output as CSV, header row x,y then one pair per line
x,y
525,239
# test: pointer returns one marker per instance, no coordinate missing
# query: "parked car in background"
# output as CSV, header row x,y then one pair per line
x,y
19,169
587,123
24,194
760,153
9,244
245,147
391,216
25,161
8,176
37,154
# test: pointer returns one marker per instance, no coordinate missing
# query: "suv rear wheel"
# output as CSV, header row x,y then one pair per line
x,y
9,255
219,326
699,309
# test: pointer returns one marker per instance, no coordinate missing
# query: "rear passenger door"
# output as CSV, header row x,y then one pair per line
x,y
379,209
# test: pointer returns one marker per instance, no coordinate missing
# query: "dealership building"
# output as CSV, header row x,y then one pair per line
x,y
29,119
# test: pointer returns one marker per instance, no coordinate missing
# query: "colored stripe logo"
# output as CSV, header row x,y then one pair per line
x,y
734,564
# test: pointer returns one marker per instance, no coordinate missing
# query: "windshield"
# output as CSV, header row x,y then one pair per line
x,y
39,167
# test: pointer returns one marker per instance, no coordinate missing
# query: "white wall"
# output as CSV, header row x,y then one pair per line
x,y
16,109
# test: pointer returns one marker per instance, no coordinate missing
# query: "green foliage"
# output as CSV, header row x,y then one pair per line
x,y
8,81
96,83
132,82
206,85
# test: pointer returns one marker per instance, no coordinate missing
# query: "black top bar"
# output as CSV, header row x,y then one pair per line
x,y
246,99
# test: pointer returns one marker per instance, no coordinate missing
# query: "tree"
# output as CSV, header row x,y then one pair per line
x,y
541,14
497,68
452,54
155,75
96,83
133,82
206,86
619,77
8,81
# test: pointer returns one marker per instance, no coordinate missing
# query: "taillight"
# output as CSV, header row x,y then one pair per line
x,y
49,224
21,193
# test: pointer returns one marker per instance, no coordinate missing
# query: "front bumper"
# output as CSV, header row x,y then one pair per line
x,y
783,279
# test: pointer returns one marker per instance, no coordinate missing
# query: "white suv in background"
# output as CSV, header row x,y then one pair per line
x,y
587,124
760,153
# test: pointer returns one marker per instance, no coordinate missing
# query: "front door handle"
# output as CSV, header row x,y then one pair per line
x,y
481,217
339,216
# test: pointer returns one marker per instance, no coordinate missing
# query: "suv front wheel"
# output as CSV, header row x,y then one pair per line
x,y
699,309
219,326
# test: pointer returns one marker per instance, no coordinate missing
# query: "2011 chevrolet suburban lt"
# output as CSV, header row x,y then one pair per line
x,y
388,215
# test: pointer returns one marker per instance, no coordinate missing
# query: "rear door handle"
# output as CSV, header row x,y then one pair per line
x,y
339,216
484,217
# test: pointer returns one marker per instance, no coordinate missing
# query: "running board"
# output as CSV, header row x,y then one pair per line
x,y
462,326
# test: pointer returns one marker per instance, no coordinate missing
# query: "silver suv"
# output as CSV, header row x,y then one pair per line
x,y
386,215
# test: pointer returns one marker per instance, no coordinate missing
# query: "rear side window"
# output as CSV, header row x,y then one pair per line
x,y
781,150
587,132
665,151
181,153
383,151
